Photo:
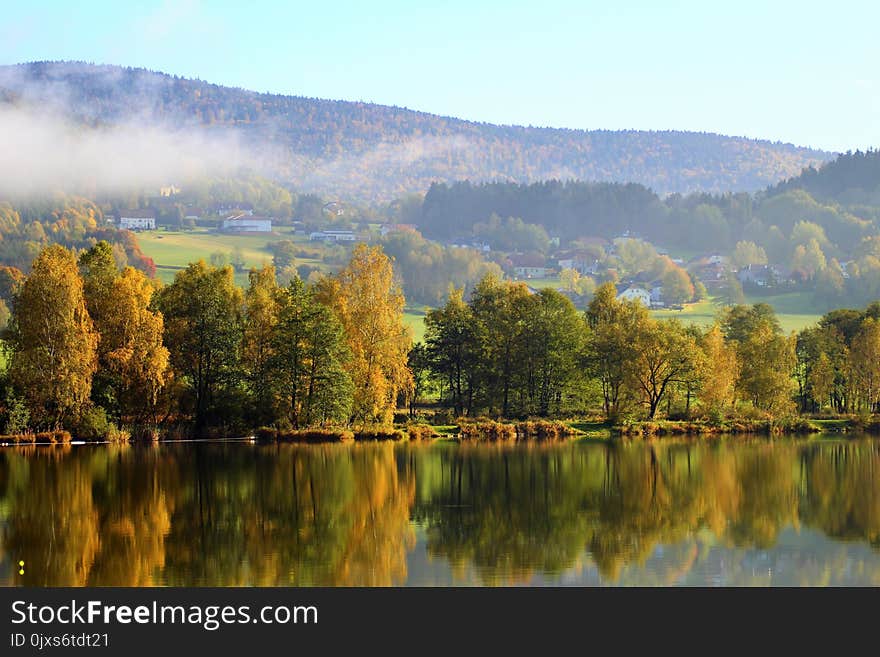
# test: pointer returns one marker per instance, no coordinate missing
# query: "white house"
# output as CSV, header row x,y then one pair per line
x,y
530,272
137,220
332,236
636,294
657,297
247,224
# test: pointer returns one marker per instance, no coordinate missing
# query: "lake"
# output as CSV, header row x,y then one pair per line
x,y
721,512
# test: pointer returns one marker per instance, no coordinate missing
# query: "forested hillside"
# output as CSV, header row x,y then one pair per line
x,y
367,152
822,228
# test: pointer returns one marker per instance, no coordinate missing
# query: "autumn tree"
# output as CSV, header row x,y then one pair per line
x,y
663,353
821,380
132,345
369,303
677,286
767,362
747,253
719,373
53,340
133,362
11,280
864,364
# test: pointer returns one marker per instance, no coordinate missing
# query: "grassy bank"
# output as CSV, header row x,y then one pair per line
x,y
798,426
174,250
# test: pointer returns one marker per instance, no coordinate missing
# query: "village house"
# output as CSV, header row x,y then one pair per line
x,y
711,271
629,292
137,219
332,236
583,266
657,297
529,265
247,224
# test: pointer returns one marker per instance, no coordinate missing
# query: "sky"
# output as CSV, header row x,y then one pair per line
x,y
799,72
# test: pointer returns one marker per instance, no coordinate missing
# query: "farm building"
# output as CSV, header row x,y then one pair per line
x,y
137,219
247,224
332,236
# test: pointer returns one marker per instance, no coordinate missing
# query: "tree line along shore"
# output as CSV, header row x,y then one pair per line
x,y
98,353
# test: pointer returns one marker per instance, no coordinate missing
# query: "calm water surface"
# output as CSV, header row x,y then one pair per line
x,y
726,512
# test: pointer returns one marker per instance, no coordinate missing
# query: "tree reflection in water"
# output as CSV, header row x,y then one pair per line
x,y
632,513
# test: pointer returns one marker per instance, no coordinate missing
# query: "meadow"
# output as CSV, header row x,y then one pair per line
x,y
173,250
793,310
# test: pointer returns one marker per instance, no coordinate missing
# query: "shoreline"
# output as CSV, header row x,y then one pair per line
x,y
478,432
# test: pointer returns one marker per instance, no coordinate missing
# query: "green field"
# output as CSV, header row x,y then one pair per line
x,y
414,317
174,250
792,309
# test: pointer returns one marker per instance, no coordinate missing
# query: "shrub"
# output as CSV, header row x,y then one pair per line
x,y
486,430
379,434
145,433
93,424
56,436
17,415
421,432
314,435
115,435
543,430
266,434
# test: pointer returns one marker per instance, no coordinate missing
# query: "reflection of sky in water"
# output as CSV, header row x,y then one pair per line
x,y
801,558
719,513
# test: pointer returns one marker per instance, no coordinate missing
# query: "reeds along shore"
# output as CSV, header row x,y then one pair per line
x,y
798,426
499,431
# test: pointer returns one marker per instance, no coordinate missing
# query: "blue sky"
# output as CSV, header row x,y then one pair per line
x,y
799,72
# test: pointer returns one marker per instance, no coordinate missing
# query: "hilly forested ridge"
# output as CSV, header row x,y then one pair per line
x,y
371,153
822,226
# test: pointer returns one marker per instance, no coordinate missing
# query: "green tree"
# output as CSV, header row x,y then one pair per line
x,y
610,344
203,324
501,312
455,349
310,358
261,309
555,340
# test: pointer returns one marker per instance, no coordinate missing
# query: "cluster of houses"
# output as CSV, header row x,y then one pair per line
x,y
237,222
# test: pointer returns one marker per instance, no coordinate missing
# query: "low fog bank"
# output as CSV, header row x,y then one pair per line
x,y
44,151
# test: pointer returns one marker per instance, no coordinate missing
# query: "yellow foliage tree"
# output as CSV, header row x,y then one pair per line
x,y
132,341
369,303
53,341
719,371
